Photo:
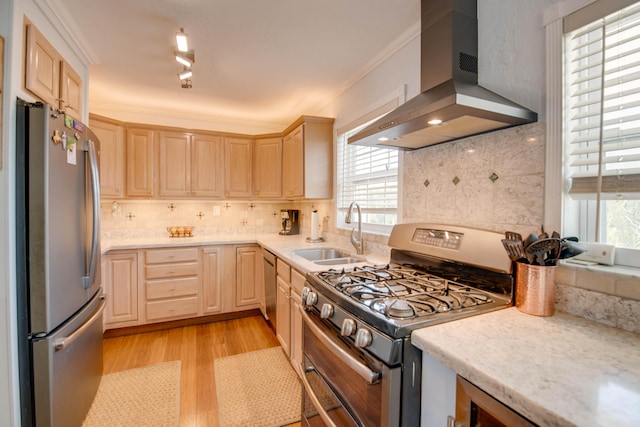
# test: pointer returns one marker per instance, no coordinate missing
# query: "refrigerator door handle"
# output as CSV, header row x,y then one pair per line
x,y
63,342
95,197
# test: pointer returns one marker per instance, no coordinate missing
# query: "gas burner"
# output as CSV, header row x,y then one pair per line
x,y
399,292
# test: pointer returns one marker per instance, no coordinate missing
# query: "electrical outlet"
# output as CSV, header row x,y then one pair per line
x,y
597,253
216,211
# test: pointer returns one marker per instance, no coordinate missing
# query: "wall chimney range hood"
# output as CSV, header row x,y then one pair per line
x,y
451,104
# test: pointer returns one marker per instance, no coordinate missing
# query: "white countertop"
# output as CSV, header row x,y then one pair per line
x,y
557,371
282,246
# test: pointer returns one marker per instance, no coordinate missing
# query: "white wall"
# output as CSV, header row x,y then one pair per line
x,y
7,323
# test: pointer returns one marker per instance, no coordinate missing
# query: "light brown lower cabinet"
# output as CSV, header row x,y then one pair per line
x,y
156,285
120,275
297,283
171,284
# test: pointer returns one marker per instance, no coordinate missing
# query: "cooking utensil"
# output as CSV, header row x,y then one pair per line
x,y
540,247
512,235
531,238
543,234
570,249
515,250
554,253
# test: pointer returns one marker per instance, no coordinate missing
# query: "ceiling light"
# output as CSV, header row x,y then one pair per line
x,y
434,121
185,74
186,58
182,41
383,139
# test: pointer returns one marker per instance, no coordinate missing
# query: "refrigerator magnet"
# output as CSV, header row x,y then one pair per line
x,y
71,152
68,121
57,139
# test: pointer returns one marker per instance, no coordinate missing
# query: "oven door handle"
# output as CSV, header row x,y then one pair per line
x,y
371,377
314,399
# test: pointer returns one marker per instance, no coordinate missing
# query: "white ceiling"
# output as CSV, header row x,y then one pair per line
x,y
259,62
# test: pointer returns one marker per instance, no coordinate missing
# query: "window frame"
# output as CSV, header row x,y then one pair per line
x,y
556,214
374,113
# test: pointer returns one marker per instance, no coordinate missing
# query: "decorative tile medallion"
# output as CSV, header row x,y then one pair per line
x,y
426,183
455,180
494,177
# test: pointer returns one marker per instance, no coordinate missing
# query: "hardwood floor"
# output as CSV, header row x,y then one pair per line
x,y
196,347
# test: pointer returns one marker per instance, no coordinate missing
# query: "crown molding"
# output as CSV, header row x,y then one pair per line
x,y
61,19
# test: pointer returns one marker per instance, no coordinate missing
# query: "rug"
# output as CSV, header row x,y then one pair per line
x,y
148,396
257,389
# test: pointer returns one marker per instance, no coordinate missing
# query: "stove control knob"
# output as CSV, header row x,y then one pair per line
x,y
363,338
327,311
348,327
311,300
305,292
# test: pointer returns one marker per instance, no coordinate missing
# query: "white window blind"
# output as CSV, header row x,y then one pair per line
x,y
602,125
602,106
368,176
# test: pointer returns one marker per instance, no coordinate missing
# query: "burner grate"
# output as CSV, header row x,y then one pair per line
x,y
402,293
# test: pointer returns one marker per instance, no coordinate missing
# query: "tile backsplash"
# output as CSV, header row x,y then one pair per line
x,y
143,218
493,181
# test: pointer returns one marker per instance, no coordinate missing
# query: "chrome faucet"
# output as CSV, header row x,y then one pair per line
x,y
359,242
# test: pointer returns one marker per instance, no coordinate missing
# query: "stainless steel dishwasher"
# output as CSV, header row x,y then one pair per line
x,y
270,287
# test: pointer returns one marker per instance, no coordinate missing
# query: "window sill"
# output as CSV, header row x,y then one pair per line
x,y
621,281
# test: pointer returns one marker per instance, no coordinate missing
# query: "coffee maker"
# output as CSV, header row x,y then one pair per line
x,y
290,224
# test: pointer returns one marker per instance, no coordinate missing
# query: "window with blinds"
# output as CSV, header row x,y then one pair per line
x,y
368,176
602,124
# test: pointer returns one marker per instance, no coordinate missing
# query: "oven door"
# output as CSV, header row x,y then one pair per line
x,y
343,386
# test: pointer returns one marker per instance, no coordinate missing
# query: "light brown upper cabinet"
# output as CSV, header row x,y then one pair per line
x,y
190,165
139,164
307,159
49,77
239,160
267,170
112,156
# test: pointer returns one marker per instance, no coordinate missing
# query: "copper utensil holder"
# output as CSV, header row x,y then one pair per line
x,y
535,289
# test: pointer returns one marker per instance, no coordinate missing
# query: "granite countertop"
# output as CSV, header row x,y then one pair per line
x,y
557,371
281,246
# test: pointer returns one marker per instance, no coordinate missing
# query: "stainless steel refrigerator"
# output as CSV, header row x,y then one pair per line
x,y
59,293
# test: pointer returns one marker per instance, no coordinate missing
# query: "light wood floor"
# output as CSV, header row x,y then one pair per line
x,y
196,347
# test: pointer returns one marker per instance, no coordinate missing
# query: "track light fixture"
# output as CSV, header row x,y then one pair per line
x,y
185,74
182,40
186,57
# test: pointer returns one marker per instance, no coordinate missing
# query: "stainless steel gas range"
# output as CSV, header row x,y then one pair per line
x,y
360,367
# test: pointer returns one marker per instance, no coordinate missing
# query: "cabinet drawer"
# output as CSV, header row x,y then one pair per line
x,y
172,308
172,288
297,281
171,255
283,270
171,270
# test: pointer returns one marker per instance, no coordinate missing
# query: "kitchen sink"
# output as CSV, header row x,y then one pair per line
x,y
328,256
336,261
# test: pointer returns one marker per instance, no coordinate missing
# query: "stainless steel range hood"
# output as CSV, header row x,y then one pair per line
x,y
450,92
